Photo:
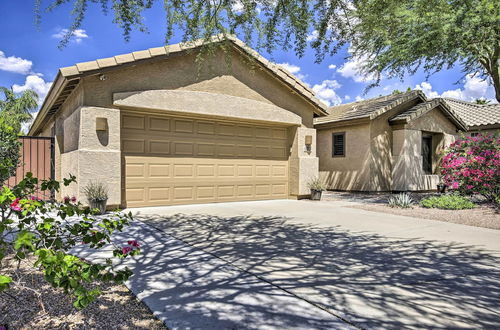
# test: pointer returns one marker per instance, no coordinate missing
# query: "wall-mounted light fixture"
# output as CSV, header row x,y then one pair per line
x,y
103,77
309,141
101,124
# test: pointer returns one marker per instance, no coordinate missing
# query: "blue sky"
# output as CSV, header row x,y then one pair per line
x,y
30,58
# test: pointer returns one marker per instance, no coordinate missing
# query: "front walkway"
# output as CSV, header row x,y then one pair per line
x,y
302,264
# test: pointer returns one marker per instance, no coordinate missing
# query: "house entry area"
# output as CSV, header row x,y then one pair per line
x,y
168,160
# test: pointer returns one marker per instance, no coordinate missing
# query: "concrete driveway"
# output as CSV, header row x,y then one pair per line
x,y
303,264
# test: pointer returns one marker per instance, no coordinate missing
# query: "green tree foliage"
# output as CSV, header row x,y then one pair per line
x,y
15,109
9,151
482,101
392,37
399,37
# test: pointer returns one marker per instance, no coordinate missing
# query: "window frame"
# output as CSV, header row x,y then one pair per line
x,y
343,144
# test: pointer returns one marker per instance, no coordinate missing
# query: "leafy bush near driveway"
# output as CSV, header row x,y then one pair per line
x,y
401,200
48,230
471,165
448,202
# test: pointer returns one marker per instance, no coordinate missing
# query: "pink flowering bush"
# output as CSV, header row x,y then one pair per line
x,y
471,165
48,230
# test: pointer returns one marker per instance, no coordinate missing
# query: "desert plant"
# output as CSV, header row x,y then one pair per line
x,y
48,230
401,200
448,202
96,192
316,184
471,165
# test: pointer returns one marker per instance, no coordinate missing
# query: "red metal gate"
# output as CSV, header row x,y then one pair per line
x,y
37,157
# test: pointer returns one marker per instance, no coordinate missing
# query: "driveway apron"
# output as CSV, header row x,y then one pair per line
x,y
373,270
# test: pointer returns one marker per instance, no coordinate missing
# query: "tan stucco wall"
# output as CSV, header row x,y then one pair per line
x,y
483,131
181,72
380,157
80,151
303,165
92,155
433,121
351,172
407,169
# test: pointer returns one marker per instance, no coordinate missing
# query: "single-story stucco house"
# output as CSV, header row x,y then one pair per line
x,y
394,142
159,130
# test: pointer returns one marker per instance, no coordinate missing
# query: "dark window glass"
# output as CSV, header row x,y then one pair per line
x,y
427,154
338,144
474,134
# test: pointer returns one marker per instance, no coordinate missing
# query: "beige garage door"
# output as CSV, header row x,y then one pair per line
x,y
174,160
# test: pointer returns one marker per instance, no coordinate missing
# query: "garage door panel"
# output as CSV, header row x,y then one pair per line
x,y
133,145
159,123
133,122
180,161
183,148
159,147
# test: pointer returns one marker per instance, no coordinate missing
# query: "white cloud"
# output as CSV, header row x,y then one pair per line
x,y
474,88
326,92
359,98
14,64
332,67
77,36
294,69
347,97
427,89
238,7
313,36
36,83
351,69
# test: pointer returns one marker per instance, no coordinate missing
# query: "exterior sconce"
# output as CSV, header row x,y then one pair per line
x,y
101,124
309,141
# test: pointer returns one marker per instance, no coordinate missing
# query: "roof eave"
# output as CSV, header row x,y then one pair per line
x,y
54,91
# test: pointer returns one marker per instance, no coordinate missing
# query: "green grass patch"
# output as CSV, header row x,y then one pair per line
x,y
448,202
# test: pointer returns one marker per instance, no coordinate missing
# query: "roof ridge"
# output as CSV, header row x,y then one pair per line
x,y
415,91
451,99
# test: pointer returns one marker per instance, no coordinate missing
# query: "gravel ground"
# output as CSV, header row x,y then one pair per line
x,y
484,215
116,308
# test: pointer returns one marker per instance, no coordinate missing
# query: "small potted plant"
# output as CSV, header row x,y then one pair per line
x,y
97,195
317,187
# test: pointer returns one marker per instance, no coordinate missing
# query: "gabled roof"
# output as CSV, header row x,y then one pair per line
x,y
369,109
475,114
424,107
67,78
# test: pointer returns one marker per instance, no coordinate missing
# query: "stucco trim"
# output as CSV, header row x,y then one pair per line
x,y
343,123
206,104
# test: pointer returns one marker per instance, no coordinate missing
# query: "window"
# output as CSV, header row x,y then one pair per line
x,y
473,134
427,154
338,144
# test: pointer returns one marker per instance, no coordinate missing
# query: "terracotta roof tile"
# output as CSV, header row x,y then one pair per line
x,y
370,108
475,114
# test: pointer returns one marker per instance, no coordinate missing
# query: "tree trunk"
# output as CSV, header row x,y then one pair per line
x,y
496,82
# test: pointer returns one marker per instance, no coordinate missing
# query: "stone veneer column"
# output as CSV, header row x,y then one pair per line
x,y
303,165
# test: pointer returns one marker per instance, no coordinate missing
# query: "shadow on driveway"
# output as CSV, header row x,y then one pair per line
x,y
370,280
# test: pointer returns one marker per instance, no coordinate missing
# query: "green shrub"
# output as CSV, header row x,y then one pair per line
x,y
448,202
402,200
